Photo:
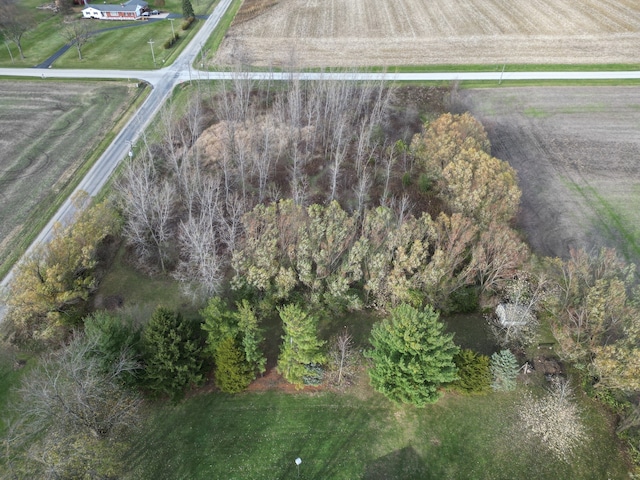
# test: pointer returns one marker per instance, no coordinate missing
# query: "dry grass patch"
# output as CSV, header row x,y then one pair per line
x,y
251,9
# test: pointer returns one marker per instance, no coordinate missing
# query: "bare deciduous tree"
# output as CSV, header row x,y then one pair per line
x,y
77,33
343,359
71,391
15,21
554,419
147,204
201,265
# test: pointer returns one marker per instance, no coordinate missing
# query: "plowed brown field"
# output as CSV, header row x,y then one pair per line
x,y
352,33
577,154
47,130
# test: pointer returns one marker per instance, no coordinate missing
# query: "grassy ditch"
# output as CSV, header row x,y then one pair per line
x,y
215,39
615,216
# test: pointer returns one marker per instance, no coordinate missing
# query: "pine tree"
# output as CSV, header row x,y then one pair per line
x,y
219,323
412,356
252,337
504,369
187,9
300,350
171,353
474,375
233,373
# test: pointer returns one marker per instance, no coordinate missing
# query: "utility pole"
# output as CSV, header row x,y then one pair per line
x,y
153,55
502,73
173,33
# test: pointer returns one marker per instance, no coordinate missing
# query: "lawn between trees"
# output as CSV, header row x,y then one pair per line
x,y
358,434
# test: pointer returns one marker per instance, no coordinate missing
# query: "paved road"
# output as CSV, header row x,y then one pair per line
x,y
164,80
180,71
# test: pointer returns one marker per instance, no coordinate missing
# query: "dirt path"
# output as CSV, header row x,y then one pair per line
x,y
577,152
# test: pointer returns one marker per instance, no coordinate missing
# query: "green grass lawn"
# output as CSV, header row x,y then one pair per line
x,y
122,49
139,290
38,44
127,48
259,435
10,378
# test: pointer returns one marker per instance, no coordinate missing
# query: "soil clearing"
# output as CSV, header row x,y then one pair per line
x,y
576,150
48,130
357,33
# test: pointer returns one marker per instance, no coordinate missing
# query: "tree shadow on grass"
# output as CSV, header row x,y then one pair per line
x,y
404,463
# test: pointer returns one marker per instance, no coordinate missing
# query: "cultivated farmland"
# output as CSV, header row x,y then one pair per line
x,y
351,33
576,150
48,131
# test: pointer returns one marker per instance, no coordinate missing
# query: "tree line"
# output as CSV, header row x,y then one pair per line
x,y
298,202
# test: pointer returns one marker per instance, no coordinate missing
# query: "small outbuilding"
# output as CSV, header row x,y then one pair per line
x,y
131,10
513,315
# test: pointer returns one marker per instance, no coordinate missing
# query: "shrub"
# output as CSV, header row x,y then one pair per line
x,y
464,300
406,179
233,373
474,374
314,374
171,41
424,182
114,338
504,370
187,23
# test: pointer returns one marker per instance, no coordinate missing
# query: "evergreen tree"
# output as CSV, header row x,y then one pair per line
x,y
412,356
300,351
219,323
171,353
114,338
226,328
187,9
252,337
233,372
504,369
474,375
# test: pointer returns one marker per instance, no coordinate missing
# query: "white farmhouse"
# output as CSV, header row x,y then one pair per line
x,y
131,10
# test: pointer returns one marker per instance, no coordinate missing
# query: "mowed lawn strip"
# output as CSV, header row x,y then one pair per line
x,y
51,129
125,48
259,435
38,44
